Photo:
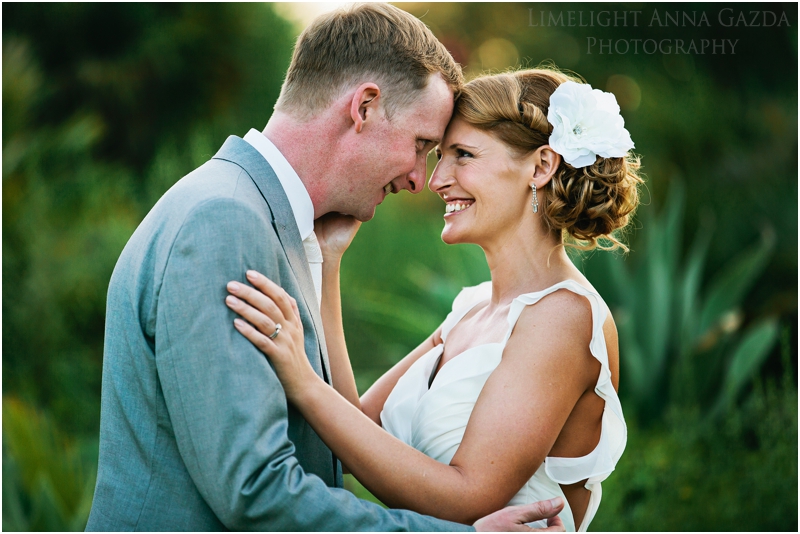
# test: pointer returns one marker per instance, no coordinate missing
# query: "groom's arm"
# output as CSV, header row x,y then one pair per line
x,y
226,405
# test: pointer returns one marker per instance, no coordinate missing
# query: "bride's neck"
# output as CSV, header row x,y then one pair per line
x,y
523,263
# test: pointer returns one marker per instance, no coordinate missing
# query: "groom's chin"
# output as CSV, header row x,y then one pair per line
x,y
366,214
363,217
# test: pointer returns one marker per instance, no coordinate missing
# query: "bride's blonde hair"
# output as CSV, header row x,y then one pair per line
x,y
590,204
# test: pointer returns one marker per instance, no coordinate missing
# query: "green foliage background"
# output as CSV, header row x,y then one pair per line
x,y
105,106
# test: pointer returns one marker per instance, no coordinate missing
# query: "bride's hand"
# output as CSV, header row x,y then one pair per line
x,y
264,308
335,232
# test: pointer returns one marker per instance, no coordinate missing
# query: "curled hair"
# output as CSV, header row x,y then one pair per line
x,y
590,204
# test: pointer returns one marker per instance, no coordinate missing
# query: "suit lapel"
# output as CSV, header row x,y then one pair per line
x,y
240,152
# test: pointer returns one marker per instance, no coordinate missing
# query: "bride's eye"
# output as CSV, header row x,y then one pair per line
x,y
438,154
460,153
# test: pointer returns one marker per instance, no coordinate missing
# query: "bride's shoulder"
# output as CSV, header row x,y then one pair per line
x,y
554,336
565,306
469,296
564,312
566,321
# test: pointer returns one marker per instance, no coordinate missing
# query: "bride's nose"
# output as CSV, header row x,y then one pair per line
x,y
442,177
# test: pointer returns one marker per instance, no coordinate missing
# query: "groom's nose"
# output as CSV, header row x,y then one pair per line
x,y
415,180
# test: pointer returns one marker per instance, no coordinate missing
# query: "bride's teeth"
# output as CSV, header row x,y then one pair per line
x,y
388,188
451,208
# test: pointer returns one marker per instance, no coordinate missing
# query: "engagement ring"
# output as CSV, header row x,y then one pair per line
x,y
276,332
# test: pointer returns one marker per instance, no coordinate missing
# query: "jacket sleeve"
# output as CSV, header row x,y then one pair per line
x,y
227,407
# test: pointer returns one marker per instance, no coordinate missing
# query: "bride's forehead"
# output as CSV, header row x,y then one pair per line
x,y
459,130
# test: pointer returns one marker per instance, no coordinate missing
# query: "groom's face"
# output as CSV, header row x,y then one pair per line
x,y
394,156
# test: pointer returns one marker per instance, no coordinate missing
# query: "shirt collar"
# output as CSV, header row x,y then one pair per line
x,y
296,192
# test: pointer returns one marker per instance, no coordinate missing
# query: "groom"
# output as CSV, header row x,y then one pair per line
x,y
195,431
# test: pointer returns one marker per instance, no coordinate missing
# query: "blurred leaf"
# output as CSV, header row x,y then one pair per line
x,y
387,310
747,357
638,375
51,487
690,285
673,225
14,517
729,286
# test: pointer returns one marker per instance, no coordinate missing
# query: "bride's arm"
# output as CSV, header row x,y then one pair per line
x,y
342,376
335,232
371,403
373,400
521,410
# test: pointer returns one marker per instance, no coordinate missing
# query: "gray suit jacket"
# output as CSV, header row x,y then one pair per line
x,y
195,430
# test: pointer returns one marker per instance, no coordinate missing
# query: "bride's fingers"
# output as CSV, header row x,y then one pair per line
x,y
296,311
263,323
262,342
273,291
263,303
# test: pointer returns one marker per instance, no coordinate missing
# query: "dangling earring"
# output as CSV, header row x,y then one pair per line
x,y
535,200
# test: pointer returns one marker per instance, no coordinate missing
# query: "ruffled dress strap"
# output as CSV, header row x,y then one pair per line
x,y
598,464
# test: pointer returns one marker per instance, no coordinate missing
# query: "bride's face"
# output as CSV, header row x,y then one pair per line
x,y
486,190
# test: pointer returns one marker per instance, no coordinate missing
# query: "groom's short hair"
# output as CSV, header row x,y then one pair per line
x,y
360,43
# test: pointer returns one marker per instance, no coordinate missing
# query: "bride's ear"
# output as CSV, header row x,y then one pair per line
x,y
546,162
364,105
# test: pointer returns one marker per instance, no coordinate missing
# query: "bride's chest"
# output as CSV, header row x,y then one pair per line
x,y
424,404
471,332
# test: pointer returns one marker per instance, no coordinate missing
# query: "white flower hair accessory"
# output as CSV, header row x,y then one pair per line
x,y
586,124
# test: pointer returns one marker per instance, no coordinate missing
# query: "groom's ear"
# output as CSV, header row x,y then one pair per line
x,y
364,105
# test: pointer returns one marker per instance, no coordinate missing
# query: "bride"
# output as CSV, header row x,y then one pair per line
x,y
513,399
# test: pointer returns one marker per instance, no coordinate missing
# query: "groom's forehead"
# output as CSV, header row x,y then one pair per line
x,y
433,108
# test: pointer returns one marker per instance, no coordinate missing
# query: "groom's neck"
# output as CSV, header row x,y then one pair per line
x,y
306,145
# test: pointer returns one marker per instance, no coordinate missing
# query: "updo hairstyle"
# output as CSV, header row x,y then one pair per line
x,y
589,204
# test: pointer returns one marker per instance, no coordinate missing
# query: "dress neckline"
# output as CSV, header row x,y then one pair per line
x,y
435,371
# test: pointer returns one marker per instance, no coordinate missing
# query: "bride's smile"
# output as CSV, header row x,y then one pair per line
x,y
457,206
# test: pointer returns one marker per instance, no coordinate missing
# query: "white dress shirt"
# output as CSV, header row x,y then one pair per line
x,y
299,200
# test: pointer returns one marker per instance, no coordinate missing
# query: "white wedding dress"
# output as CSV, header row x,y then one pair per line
x,y
432,416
